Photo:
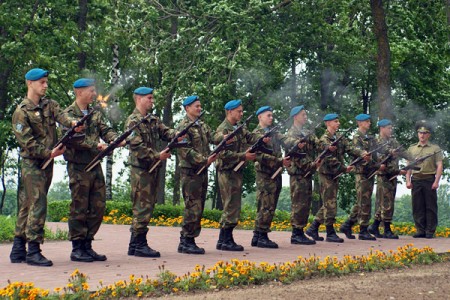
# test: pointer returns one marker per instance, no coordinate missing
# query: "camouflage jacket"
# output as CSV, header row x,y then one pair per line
x,y
235,152
199,137
365,142
301,166
334,163
392,167
84,151
142,142
35,127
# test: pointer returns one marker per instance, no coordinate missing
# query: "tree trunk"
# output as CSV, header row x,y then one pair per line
x,y
82,25
316,203
447,9
5,72
176,183
383,60
217,199
3,155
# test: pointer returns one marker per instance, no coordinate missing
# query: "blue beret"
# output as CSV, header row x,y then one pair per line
x,y
233,104
362,117
36,74
384,122
263,109
143,91
331,117
296,110
83,82
189,100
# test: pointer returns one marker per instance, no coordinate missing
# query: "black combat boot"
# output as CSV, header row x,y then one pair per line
x,y
189,246
265,242
220,241
228,243
142,249
332,236
92,253
181,244
364,235
313,231
298,237
255,238
34,256
374,229
79,253
388,234
132,244
346,228
18,252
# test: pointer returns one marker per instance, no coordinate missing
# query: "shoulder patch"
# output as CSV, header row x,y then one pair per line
x,y
19,127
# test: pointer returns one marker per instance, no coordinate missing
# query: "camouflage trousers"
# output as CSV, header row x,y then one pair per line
x,y
267,193
385,198
143,197
328,191
361,210
88,201
301,196
194,188
32,198
230,185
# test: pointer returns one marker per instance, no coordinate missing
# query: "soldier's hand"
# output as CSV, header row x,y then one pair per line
x,y
403,172
332,148
230,141
79,128
266,140
211,159
249,155
165,154
409,185
367,156
181,138
301,145
349,169
435,185
287,161
58,151
317,163
101,146
382,168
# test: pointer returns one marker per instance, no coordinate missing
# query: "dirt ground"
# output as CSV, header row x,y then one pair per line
x,y
418,282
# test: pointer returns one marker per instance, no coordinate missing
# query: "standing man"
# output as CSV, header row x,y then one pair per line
x,y
34,126
194,187
143,155
87,188
330,167
230,182
361,210
301,185
267,189
425,182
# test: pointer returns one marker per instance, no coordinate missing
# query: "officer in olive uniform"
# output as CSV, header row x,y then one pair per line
x,y
87,189
425,182
143,156
194,187
34,125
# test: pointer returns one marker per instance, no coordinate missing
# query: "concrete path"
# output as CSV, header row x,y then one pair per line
x,y
112,240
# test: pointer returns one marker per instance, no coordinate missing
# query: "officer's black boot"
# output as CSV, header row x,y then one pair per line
x,y
374,229
190,247
34,256
388,234
364,235
220,241
332,236
142,249
313,231
255,238
346,228
92,253
298,237
228,243
132,244
79,253
265,242
18,252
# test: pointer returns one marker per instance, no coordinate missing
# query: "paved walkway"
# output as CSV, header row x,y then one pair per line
x,y
112,240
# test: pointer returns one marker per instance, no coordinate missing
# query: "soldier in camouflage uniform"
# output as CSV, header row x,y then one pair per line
x,y
143,156
361,210
34,125
87,188
301,185
330,167
267,189
194,187
230,182
386,188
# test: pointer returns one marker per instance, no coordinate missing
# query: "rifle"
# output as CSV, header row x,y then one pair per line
x,y
413,165
70,135
223,144
259,144
360,159
113,145
384,161
174,142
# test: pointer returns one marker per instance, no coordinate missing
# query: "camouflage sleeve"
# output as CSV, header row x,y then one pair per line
x,y
60,117
106,132
286,141
137,146
190,154
165,132
250,137
350,149
23,132
228,156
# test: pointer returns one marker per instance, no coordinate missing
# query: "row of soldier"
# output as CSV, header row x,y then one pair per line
x,y
34,124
